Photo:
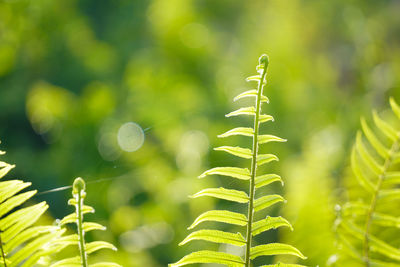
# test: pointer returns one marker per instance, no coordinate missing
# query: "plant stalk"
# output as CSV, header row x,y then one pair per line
x,y
81,233
254,166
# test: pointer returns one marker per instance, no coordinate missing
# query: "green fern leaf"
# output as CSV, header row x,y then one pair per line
x,y
245,131
242,111
269,223
267,179
104,264
236,151
275,249
374,166
239,173
392,178
266,138
223,193
85,249
283,265
384,127
251,93
255,181
207,256
365,155
216,237
267,201
362,179
373,140
97,245
224,216
20,240
265,118
266,158
395,107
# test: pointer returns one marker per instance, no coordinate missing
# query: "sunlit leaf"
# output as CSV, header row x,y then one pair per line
x,y
373,140
239,173
384,127
266,138
207,256
245,131
275,249
223,193
267,201
266,158
236,151
242,111
220,216
266,179
215,236
269,223
251,93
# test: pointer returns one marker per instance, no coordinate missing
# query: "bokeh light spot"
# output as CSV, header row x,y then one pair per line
x,y
130,137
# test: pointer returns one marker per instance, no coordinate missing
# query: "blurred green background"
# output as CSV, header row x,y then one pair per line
x,y
83,83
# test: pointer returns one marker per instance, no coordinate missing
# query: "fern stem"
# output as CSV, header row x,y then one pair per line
x,y
394,148
81,233
254,161
2,251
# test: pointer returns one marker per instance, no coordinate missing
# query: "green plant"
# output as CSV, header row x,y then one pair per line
x,y
366,227
21,243
78,239
256,181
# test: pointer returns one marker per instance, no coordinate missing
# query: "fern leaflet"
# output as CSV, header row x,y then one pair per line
x,y
256,181
362,222
78,239
21,243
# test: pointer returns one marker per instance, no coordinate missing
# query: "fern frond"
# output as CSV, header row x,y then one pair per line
x,y
374,164
21,242
250,227
78,239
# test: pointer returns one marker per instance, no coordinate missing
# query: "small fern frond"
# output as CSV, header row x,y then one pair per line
x,y
78,239
255,206
361,223
21,243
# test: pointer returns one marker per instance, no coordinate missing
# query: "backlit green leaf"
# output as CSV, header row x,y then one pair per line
x,y
215,236
275,249
239,173
395,107
266,179
266,138
373,140
365,155
236,151
242,111
97,245
220,216
245,131
251,93
266,158
223,193
269,223
207,256
385,128
267,201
